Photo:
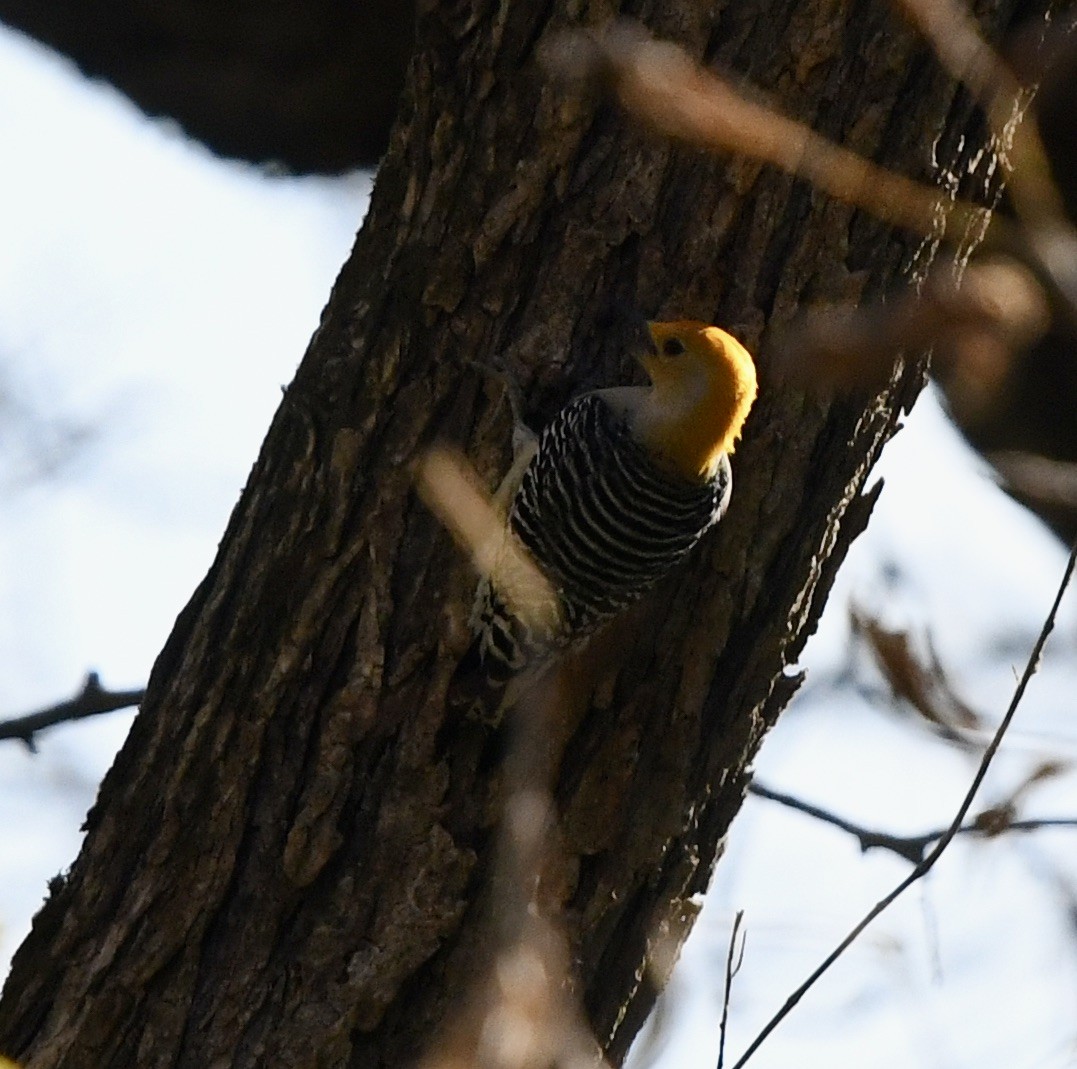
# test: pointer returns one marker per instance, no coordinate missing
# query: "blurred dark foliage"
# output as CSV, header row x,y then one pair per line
x,y
1030,410
310,85
1055,104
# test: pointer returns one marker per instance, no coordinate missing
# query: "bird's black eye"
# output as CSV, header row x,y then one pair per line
x,y
673,347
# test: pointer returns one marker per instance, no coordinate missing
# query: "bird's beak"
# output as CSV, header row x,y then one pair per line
x,y
648,347
651,343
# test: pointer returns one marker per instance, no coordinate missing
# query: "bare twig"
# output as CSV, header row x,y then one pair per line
x,y
659,84
523,1013
90,701
731,969
947,837
451,488
973,329
988,823
955,37
909,847
1046,241
1038,478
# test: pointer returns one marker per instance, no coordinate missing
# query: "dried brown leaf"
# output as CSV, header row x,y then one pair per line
x,y
921,682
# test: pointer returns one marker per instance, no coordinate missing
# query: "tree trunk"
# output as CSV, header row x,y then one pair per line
x,y
282,868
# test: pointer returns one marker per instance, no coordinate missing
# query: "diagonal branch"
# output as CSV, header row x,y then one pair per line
x,y
913,848
91,700
661,86
955,37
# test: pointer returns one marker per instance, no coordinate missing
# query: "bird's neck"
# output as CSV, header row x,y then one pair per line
x,y
688,426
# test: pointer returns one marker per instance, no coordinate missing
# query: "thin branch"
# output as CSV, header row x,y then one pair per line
x,y
731,970
1038,478
452,490
522,1011
90,701
660,85
947,837
973,329
912,848
1046,242
909,847
955,37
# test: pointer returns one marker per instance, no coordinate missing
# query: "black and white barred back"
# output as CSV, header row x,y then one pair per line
x,y
603,522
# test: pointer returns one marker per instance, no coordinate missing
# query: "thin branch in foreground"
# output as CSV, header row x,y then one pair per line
x,y
974,329
955,37
1042,479
660,85
989,823
731,969
522,1012
944,841
1047,241
451,489
90,701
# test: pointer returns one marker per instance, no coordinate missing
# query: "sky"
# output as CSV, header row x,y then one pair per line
x,y
153,302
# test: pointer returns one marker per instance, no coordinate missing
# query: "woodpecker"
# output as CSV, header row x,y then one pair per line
x,y
618,488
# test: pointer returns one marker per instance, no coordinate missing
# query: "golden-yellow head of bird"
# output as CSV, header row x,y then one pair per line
x,y
703,385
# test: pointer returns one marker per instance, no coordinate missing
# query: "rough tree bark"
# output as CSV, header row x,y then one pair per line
x,y
280,868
